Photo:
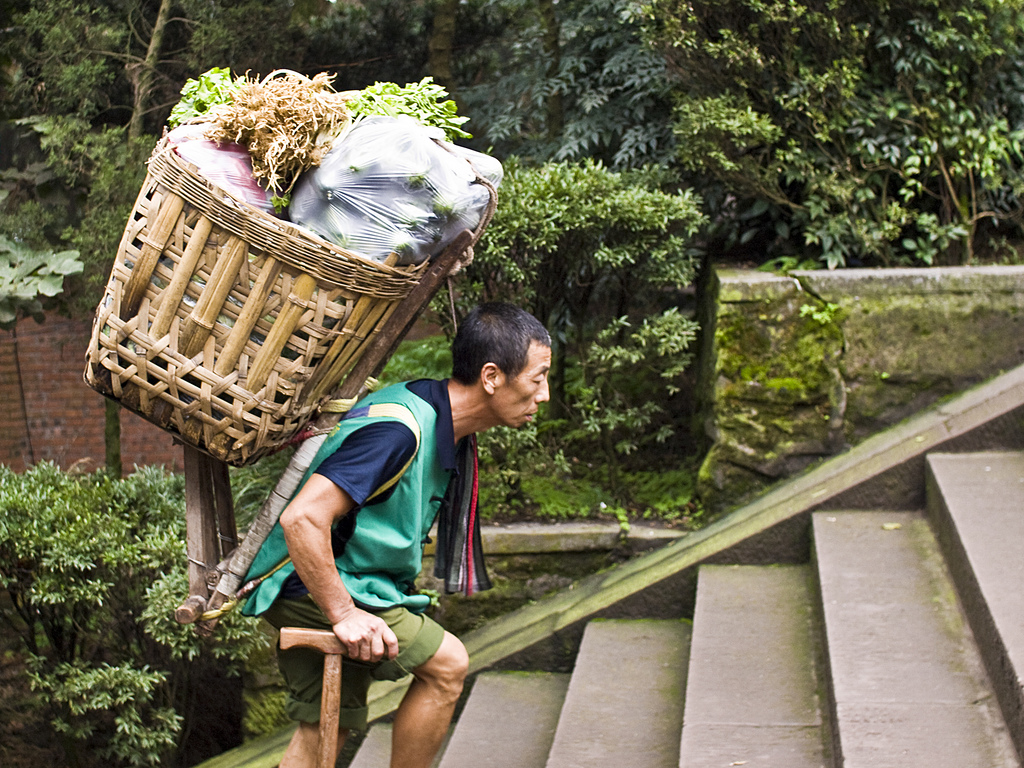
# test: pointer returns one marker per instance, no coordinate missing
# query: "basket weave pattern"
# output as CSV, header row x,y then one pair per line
x,y
228,326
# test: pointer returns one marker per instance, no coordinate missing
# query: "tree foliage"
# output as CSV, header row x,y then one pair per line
x,y
570,80
27,276
93,568
875,132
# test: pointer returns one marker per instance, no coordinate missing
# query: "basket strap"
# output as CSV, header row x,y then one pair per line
x,y
403,414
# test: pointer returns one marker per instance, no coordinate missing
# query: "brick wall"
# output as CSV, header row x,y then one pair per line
x,y
50,414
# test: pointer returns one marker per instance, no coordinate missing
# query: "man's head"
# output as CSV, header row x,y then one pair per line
x,y
503,354
495,333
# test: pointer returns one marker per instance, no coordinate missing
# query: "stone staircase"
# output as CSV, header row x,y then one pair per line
x,y
901,643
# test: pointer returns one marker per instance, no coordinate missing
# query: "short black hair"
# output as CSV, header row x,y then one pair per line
x,y
497,333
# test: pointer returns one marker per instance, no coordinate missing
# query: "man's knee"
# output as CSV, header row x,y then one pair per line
x,y
448,667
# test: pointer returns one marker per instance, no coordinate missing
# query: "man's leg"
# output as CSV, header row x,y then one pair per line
x,y
304,747
425,713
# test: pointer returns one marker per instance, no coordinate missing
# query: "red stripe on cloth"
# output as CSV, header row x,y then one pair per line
x,y
470,537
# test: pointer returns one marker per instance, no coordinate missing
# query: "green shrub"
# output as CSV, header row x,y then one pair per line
x,y
427,358
94,568
861,133
600,258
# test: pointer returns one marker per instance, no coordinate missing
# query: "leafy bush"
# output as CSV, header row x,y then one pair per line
x,y
879,133
570,80
599,257
94,568
427,358
27,275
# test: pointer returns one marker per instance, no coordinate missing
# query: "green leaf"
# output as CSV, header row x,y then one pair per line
x,y
27,275
425,101
200,95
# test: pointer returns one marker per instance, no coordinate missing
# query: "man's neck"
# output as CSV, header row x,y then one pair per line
x,y
470,412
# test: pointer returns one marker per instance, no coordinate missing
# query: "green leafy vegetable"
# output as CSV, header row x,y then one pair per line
x,y
424,101
199,96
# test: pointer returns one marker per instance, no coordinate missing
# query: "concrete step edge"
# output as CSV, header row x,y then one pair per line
x,y
624,705
983,577
508,721
754,686
905,676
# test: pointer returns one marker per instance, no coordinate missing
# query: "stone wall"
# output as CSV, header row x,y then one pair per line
x,y
50,414
798,367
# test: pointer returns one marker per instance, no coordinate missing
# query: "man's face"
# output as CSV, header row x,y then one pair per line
x,y
516,400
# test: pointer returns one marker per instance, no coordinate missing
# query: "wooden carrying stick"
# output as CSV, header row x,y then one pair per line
x,y
330,699
209,528
372,361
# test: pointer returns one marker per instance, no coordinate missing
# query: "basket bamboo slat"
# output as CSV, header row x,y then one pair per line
x,y
225,325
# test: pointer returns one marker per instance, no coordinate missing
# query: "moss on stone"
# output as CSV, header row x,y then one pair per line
x,y
264,712
776,392
798,370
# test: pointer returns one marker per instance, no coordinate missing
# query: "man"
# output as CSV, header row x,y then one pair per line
x,y
355,532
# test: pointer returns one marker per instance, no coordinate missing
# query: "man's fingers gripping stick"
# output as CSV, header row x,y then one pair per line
x,y
367,638
380,645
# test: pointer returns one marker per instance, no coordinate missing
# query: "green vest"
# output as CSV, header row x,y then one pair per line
x,y
384,556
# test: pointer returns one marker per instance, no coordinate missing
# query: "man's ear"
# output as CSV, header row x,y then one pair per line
x,y
491,377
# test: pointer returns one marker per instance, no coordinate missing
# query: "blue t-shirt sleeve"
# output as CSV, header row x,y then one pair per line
x,y
368,458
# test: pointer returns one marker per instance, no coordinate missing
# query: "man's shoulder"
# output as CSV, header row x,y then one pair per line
x,y
413,393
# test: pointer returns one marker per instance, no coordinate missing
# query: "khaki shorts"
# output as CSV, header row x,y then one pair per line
x,y
419,637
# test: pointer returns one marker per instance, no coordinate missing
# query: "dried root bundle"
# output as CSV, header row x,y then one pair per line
x,y
287,122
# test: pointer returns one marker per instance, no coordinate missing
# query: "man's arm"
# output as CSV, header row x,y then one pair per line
x,y
307,523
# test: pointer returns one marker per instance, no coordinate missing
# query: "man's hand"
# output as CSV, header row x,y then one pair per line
x,y
366,637
307,522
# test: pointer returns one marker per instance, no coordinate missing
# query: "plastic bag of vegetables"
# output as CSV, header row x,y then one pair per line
x,y
226,164
392,185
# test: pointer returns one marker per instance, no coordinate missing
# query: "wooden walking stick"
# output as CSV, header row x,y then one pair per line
x,y
369,364
330,699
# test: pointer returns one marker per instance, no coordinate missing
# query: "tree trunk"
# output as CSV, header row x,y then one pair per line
x,y
143,79
552,50
30,457
112,438
142,82
441,43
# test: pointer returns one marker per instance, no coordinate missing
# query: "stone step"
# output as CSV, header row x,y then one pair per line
x,y
624,706
752,688
977,504
508,722
375,751
907,683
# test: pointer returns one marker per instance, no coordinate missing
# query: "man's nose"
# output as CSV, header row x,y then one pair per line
x,y
543,394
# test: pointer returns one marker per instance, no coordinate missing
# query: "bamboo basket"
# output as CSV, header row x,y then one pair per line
x,y
227,326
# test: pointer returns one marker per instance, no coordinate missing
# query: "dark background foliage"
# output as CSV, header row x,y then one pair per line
x,y
641,140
